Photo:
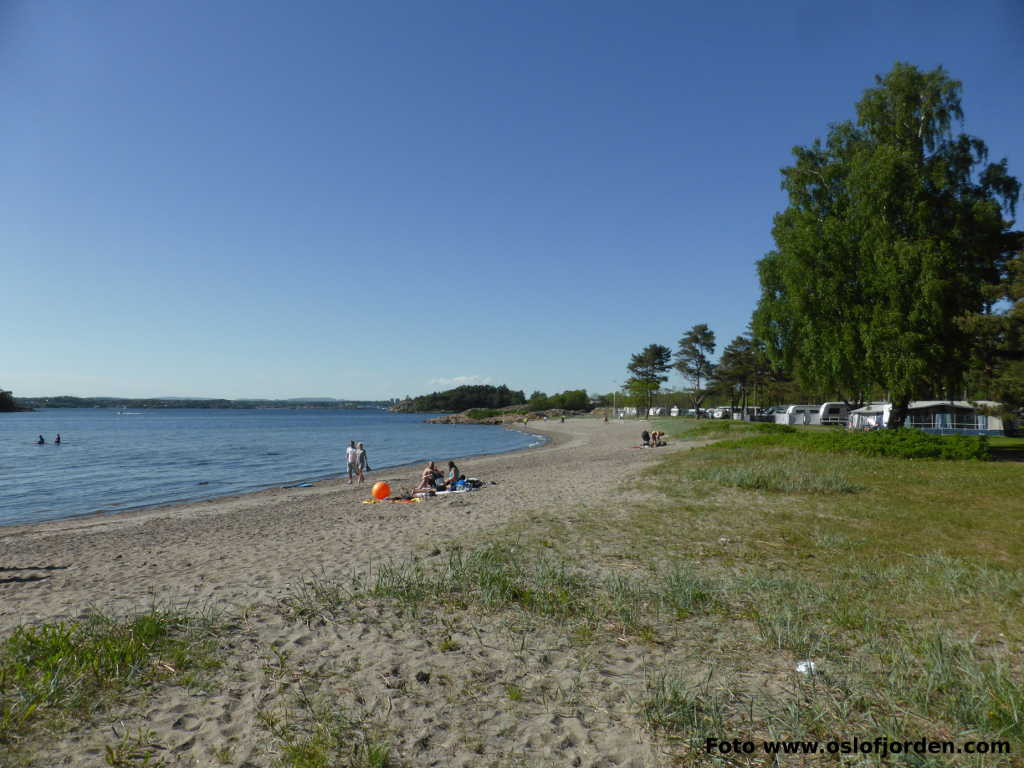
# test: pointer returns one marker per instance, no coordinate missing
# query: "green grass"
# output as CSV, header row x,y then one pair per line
x,y
506,576
780,476
679,710
907,591
314,733
53,676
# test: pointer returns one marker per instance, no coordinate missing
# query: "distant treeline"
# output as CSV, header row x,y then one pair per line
x,y
7,403
488,400
570,400
67,401
462,399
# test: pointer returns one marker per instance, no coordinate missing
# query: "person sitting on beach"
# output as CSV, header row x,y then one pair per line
x,y
452,477
645,439
429,477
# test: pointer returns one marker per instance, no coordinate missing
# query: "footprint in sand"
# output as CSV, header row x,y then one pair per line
x,y
187,722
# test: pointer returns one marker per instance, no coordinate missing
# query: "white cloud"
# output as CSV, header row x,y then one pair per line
x,y
459,381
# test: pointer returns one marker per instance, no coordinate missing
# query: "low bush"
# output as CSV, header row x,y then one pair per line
x,y
712,428
484,413
898,443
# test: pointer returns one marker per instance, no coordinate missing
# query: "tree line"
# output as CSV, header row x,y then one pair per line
x,y
7,404
487,397
463,398
896,267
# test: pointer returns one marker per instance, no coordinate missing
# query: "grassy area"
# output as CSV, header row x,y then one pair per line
x,y
55,676
899,578
508,576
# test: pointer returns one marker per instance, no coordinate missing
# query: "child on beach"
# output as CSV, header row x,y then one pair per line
x,y
452,477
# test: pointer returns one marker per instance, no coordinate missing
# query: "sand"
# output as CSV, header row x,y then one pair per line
x,y
442,689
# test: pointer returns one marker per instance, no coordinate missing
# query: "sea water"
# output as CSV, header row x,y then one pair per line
x,y
111,460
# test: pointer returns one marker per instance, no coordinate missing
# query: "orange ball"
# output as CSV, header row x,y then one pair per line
x,y
381,490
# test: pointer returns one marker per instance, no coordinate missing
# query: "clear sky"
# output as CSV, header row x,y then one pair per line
x,y
365,200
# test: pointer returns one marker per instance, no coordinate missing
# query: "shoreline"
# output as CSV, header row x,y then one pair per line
x,y
282,485
245,558
238,549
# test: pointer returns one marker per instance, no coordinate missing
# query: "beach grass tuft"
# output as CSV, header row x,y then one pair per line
x,y
316,733
504,576
679,709
54,675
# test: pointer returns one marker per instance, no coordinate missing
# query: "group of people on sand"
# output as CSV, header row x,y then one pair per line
x,y
358,464
42,440
652,439
434,479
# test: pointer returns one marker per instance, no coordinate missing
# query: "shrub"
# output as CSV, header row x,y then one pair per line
x,y
898,443
484,413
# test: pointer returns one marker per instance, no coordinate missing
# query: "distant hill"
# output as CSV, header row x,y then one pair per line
x,y
69,401
461,399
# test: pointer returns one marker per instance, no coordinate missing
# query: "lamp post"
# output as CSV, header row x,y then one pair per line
x,y
615,392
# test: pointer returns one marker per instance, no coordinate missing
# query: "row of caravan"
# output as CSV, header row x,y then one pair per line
x,y
826,413
943,417
829,413
936,416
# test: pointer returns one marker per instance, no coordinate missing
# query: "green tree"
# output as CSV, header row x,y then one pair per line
x,y
7,401
648,370
571,400
741,369
894,227
693,361
998,331
538,401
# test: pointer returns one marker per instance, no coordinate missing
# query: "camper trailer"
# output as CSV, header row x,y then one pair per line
x,y
940,417
833,413
798,414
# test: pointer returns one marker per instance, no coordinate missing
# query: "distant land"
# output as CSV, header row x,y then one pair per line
x,y
69,401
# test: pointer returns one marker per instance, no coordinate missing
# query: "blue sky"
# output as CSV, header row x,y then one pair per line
x,y
367,200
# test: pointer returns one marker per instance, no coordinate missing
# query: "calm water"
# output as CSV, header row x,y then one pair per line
x,y
110,461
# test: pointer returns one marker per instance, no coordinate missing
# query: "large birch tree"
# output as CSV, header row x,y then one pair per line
x,y
894,226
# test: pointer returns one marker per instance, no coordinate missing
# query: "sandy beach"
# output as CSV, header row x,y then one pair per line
x,y
241,555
